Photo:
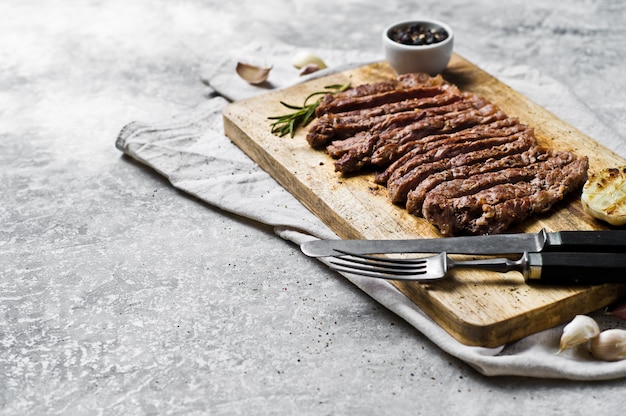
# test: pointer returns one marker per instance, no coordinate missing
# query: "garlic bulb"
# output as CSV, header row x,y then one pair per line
x,y
252,73
609,345
604,195
580,330
302,59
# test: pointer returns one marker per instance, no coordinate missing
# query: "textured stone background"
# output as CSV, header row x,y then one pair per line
x,y
120,295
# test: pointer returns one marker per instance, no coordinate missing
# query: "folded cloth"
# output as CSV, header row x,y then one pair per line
x,y
193,153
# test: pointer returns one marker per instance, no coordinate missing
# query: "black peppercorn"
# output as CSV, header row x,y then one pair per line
x,y
417,34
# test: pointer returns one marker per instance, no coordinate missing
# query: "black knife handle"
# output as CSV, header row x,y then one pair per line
x,y
606,241
576,268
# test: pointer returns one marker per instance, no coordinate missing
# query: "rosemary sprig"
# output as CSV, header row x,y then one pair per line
x,y
302,115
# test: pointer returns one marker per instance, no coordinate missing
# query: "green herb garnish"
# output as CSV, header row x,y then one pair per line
x,y
288,123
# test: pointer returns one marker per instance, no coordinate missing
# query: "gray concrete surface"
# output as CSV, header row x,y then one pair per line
x,y
121,296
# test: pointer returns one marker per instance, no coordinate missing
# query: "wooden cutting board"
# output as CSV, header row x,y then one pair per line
x,y
477,308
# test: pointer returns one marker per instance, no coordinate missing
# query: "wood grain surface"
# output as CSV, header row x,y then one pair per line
x,y
477,308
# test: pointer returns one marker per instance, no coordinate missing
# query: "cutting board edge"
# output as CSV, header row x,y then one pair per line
x,y
340,226
494,334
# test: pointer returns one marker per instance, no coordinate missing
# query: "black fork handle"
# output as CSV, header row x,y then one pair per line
x,y
575,268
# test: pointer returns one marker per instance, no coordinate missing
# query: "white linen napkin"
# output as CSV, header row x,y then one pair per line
x,y
193,153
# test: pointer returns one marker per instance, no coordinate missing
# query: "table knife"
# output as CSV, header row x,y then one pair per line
x,y
610,241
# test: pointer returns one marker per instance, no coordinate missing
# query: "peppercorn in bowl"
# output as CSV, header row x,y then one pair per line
x,y
418,46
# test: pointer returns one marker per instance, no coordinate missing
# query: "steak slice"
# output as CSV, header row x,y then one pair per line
x,y
457,116
359,156
390,152
330,126
388,124
491,202
364,143
473,142
379,124
396,123
371,101
467,165
417,168
403,82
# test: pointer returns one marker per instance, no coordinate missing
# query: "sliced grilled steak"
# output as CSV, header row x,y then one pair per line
x,y
403,82
472,110
390,152
407,176
489,203
397,123
403,163
331,126
474,163
454,158
359,156
371,101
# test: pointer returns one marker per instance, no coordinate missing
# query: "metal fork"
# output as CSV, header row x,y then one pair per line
x,y
424,268
557,268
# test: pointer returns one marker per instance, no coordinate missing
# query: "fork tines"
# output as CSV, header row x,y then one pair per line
x,y
379,267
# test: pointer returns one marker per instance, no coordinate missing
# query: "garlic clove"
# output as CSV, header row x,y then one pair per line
x,y
609,345
580,330
302,59
309,69
252,73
